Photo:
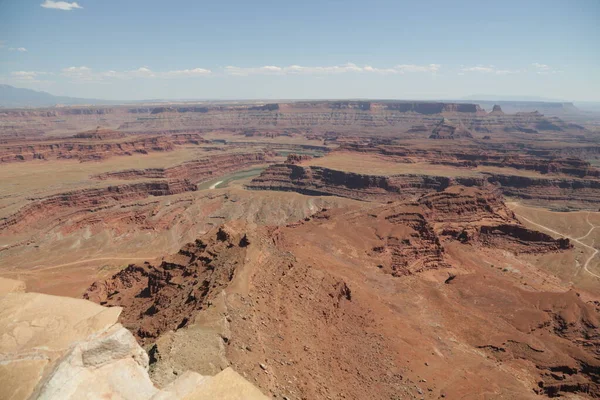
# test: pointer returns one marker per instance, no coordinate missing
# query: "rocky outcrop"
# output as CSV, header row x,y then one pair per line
x,y
412,244
297,158
57,348
166,295
88,200
520,239
464,205
478,215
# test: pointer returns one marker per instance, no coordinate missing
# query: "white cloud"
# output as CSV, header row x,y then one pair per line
x,y
87,74
142,72
27,75
326,70
489,69
79,73
19,49
418,68
60,5
544,69
188,72
110,74
541,67
507,71
2,44
479,68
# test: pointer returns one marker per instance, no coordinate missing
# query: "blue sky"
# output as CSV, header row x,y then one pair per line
x,y
228,49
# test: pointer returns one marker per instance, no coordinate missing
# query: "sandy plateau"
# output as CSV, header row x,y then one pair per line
x,y
305,250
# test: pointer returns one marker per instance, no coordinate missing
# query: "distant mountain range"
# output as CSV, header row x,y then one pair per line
x,y
11,96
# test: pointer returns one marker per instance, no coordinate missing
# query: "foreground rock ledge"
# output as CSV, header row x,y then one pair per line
x,y
55,347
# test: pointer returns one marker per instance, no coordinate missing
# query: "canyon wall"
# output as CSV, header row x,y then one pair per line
x,y
318,181
76,148
88,200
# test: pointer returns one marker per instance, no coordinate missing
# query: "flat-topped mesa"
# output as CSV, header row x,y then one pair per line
x,y
552,163
430,107
321,181
321,116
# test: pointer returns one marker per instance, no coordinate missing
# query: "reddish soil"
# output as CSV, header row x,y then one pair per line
x,y
374,257
365,276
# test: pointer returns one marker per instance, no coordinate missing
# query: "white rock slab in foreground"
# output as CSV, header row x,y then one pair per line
x,y
59,348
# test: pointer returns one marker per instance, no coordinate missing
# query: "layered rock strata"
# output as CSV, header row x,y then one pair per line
x,y
319,181
92,145
196,170
88,200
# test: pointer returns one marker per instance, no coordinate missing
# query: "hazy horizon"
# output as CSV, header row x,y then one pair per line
x,y
488,98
